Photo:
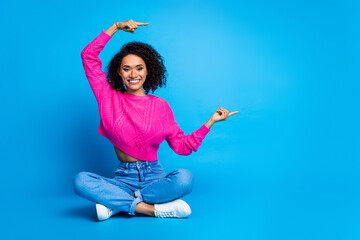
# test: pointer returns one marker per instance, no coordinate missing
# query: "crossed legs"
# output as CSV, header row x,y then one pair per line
x,y
124,196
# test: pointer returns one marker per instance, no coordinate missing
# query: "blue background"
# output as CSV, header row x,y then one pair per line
x,y
285,167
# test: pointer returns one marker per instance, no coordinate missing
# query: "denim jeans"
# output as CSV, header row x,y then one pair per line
x,y
147,180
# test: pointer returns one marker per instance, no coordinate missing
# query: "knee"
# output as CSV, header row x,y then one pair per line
x,y
185,180
79,181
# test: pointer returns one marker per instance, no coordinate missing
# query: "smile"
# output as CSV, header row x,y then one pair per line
x,y
134,81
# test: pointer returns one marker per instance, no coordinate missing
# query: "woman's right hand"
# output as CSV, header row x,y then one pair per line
x,y
129,26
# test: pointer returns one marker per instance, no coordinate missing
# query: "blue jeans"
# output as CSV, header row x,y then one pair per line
x,y
147,180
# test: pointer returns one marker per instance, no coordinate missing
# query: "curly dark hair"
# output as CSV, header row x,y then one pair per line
x,y
154,63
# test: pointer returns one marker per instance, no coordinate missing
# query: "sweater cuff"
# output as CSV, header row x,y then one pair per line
x,y
104,36
204,130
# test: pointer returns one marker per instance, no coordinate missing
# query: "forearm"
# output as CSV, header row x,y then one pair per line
x,y
111,30
209,123
185,144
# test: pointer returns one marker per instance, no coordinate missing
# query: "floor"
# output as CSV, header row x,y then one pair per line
x,y
243,208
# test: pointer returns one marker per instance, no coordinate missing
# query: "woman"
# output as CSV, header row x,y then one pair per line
x,y
136,123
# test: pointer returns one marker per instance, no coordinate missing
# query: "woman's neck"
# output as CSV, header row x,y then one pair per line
x,y
138,93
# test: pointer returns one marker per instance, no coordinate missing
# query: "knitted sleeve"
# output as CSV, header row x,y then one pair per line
x,y
92,65
179,142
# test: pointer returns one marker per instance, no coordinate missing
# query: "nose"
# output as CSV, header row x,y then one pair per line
x,y
132,73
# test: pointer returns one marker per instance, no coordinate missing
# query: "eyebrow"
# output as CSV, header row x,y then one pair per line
x,y
135,66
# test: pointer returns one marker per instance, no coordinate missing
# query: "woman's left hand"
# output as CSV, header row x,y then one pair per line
x,y
221,114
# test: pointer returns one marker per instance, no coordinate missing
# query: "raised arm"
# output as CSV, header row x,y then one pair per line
x,y
92,63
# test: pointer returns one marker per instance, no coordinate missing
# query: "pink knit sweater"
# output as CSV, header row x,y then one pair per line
x,y
134,124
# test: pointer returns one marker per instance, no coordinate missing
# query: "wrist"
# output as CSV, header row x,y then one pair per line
x,y
111,30
117,26
209,123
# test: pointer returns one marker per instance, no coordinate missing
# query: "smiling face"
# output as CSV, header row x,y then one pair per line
x,y
133,73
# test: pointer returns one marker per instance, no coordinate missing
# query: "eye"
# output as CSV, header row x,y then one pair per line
x,y
139,69
125,69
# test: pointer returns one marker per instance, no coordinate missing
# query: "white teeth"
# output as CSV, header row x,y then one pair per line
x,y
134,80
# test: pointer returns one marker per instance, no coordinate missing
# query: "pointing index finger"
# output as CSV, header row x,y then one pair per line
x,y
232,113
141,24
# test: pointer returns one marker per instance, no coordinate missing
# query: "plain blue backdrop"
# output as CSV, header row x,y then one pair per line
x,y
285,167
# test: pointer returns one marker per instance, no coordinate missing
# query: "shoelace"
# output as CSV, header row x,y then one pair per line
x,y
161,214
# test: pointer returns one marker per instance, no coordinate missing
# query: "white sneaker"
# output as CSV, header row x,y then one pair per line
x,y
177,208
103,212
